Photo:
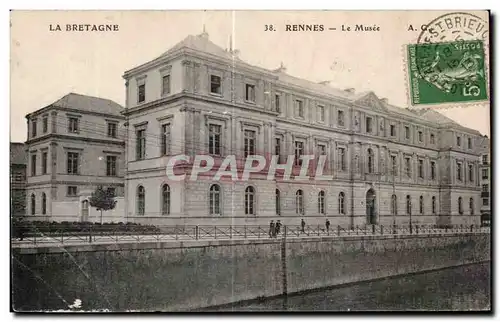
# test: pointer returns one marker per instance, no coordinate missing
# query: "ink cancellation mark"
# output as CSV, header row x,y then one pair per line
x,y
84,27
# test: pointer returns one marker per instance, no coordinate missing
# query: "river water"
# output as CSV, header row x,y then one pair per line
x,y
458,288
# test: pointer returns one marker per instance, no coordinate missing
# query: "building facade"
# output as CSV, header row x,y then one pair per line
x,y
389,164
17,179
485,177
74,145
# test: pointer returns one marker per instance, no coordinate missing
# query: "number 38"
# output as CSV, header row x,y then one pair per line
x,y
269,28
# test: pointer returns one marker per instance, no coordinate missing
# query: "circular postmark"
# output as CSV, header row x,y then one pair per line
x,y
454,27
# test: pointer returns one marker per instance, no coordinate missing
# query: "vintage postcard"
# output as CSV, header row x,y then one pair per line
x,y
250,161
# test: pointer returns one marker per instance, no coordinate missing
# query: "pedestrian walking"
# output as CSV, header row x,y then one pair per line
x,y
278,228
303,224
271,228
327,224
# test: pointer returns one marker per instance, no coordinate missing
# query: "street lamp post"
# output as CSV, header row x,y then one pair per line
x,y
393,199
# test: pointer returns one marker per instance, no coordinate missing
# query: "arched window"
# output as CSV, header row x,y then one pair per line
x,y
215,198
141,200
341,203
433,205
33,204
421,205
321,202
278,203
460,206
249,201
408,205
44,204
471,206
299,202
370,161
394,205
165,199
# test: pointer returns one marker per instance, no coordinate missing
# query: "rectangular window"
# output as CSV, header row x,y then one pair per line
x,y
433,140
72,191
485,187
112,130
459,171
407,132
277,103
469,143
214,139
340,118
72,163
408,167
341,152
394,165
33,128
421,168
321,149
321,112
471,173
299,108
250,93
111,165
484,173
215,85
165,85
485,159
369,125
45,124
140,146
420,136
249,144
44,162
393,130
165,139
141,93
459,141
299,151
277,148
33,165
485,201
73,125
433,170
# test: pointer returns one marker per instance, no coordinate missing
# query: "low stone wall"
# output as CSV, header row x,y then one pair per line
x,y
189,275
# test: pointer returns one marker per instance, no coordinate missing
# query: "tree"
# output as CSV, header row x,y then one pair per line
x,y
102,200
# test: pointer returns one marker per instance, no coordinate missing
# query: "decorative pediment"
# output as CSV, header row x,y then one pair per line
x,y
371,101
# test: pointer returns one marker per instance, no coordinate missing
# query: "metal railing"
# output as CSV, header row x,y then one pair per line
x,y
59,234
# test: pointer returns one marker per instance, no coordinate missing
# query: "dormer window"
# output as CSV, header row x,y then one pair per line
x,y
215,85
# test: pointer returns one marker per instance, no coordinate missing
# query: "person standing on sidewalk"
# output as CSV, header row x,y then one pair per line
x,y
271,229
278,228
303,224
327,224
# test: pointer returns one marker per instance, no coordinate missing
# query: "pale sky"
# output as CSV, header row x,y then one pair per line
x,y
46,65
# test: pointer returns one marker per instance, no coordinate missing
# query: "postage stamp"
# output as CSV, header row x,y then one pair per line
x,y
447,72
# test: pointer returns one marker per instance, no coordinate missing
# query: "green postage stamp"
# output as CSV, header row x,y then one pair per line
x,y
449,72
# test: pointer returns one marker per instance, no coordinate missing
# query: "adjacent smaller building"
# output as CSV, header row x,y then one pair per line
x,y
74,145
485,175
18,161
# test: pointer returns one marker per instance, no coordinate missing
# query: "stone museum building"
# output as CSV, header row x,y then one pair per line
x,y
74,145
389,164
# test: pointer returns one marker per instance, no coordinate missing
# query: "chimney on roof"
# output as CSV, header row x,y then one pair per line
x,y
204,34
327,82
349,90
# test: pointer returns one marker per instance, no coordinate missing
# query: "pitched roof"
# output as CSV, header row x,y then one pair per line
x,y
89,104
200,43
18,153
